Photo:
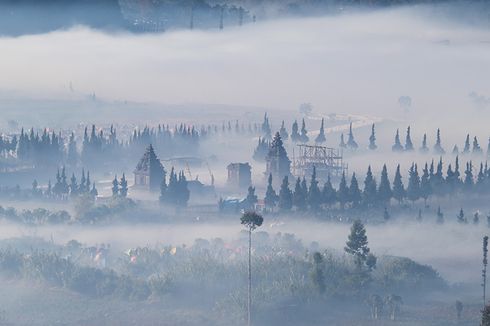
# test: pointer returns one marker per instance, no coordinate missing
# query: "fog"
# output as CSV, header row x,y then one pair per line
x,y
130,243
356,63
450,249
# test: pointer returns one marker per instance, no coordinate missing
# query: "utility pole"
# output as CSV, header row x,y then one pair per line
x,y
484,271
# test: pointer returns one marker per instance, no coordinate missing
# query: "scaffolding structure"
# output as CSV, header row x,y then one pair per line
x,y
327,162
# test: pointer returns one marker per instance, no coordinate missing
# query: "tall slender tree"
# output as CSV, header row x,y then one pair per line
x,y
369,194
320,139
328,193
398,188
397,147
408,141
271,197
251,220
314,193
285,196
384,191
351,142
424,148
355,195
372,139
413,188
343,192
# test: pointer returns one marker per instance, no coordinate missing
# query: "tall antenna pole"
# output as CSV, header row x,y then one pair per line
x,y
484,271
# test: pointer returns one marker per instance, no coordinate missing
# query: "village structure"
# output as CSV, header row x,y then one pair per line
x,y
149,173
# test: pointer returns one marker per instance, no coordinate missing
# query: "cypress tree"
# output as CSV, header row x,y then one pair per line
x,y
94,191
299,197
384,190
283,132
438,146
476,147
115,187
271,197
437,179
266,128
328,193
413,188
123,190
314,194
343,192
285,196
425,188
304,133
397,147
73,185
370,189
398,189
372,139
351,143
183,193
320,139
355,196
481,180
466,149
424,148
468,180
295,137
408,141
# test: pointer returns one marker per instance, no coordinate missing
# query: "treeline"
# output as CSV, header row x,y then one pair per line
x,y
97,147
432,181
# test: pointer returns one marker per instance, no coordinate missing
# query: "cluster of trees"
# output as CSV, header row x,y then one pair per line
x,y
176,192
120,188
470,146
50,148
432,181
64,188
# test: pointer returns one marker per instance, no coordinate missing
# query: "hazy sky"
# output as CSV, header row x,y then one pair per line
x,y
354,63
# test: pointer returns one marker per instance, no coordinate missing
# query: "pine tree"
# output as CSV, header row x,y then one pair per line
x,y
304,133
370,189
437,179
466,149
343,192
372,139
438,146
355,196
408,141
481,180
285,196
351,143
384,191
398,189
115,187
271,197
183,193
425,188
314,194
295,137
123,190
320,139
357,244
283,132
328,193
299,197
397,147
413,188
424,149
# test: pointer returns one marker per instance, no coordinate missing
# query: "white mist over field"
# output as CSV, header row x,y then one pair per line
x,y
357,63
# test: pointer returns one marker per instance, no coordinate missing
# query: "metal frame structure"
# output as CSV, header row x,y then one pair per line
x,y
326,160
